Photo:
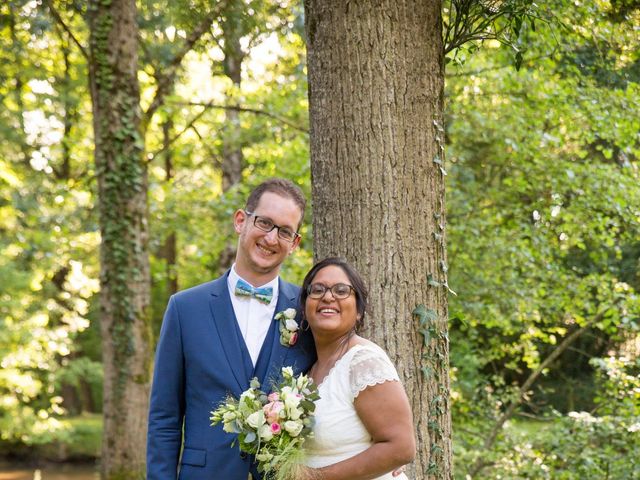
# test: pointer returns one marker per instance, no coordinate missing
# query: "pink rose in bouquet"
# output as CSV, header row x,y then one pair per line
x,y
273,426
272,411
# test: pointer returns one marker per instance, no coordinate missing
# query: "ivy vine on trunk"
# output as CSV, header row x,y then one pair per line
x,y
122,203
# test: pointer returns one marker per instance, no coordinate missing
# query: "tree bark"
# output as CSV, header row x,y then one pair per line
x,y
122,203
376,93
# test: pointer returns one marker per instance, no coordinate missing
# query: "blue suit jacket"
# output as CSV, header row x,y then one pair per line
x,y
201,358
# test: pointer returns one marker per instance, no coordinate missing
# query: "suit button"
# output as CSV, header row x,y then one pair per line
x,y
243,455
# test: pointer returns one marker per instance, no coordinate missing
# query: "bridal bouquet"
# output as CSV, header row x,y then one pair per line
x,y
273,426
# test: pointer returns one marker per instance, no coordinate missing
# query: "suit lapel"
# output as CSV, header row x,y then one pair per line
x,y
225,322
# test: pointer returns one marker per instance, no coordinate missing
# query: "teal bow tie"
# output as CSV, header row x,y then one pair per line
x,y
264,294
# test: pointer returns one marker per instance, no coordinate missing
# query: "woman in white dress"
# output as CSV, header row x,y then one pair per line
x,y
364,427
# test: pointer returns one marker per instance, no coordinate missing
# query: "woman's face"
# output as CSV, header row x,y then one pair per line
x,y
329,315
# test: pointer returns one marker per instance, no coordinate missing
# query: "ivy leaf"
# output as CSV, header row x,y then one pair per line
x,y
424,315
426,318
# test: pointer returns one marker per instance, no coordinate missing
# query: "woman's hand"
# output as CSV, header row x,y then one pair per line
x,y
307,473
399,471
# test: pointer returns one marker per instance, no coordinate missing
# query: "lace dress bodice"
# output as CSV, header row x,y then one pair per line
x,y
339,433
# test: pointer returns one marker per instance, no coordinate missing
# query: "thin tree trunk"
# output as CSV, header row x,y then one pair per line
x,y
232,157
64,172
168,250
170,247
122,203
25,149
376,90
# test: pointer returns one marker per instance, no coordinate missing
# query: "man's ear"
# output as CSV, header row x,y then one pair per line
x,y
294,245
239,219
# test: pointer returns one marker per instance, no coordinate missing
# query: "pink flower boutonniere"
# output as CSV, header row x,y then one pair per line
x,y
288,327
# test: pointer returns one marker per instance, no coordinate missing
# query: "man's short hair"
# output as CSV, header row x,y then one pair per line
x,y
280,186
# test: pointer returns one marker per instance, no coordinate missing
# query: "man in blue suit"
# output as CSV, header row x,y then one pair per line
x,y
216,336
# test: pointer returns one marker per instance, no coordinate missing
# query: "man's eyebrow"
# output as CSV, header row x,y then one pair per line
x,y
266,217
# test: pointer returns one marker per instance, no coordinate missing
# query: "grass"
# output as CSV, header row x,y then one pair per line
x,y
86,436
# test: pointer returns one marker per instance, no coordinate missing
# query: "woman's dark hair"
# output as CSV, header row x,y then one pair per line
x,y
357,283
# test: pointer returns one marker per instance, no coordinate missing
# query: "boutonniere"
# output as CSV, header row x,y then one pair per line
x,y
288,327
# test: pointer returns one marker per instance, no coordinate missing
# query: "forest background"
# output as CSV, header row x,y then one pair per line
x,y
543,210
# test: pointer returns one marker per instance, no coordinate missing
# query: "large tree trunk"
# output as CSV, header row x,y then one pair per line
x,y
376,89
122,202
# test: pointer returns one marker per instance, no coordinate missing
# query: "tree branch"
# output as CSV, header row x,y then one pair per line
x,y
479,71
257,111
60,21
209,105
166,81
264,113
171,140
508,413
471,20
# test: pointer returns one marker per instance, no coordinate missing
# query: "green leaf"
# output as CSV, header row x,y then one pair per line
x,y
518,60
432,281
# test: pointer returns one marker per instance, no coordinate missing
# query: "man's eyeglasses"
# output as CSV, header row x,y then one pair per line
x,y
340,291
266,225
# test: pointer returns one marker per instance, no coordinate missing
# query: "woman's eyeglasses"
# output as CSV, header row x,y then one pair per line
x,y
340,291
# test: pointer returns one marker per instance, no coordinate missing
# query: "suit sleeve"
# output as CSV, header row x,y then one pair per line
x,y
166,408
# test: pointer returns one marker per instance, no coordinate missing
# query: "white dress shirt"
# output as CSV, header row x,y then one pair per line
x,y
254,317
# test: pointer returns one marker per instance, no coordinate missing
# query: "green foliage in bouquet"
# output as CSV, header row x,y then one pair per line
x,y
273,426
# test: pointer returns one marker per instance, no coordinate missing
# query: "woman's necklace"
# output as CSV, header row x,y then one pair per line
x,y
334,357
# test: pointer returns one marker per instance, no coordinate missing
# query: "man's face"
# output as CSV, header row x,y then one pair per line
x,y
260,253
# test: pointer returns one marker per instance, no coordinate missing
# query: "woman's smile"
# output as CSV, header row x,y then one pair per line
x,y
328,314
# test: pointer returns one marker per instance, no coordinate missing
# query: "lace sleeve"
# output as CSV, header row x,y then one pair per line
x,y
370,366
